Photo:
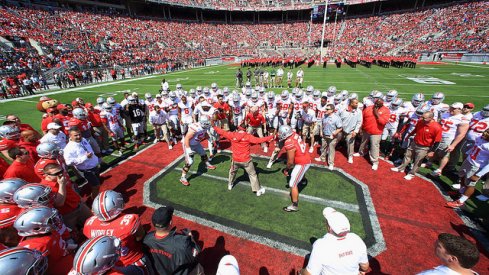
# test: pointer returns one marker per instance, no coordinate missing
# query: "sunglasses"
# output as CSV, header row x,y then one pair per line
x,y
55,174
24,153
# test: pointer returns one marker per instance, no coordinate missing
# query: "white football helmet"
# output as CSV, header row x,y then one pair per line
x,y
111,101
236,98
248,93
214,86
8,188
337,99
37,220
396,103
207,92
33,195
179,86
205,122
97,255
437,98
132,100
48,150
108,205
9,132
254,97
391,95
148,96
199,90
353,96
331,91
100,100
344,94
107,107
417,99
172,95
485,111
164,93
284,131
248,84
309,90
271,95
299,95
377,95
21,260
225,91
192,93
316,94
79,113
284,95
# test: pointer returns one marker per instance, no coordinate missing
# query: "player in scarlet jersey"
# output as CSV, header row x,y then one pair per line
x,y
9,211
298,160
108,221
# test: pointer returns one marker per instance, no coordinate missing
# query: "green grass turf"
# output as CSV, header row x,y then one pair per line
x,y
471,82
241,205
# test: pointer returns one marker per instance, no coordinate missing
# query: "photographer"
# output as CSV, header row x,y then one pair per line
x,y
171,252
375,118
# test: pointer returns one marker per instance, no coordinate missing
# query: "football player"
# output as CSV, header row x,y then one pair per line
x,y
10,138
191,144
107,220
436,106
137,114
20,260
185,114
80,120
237,110
113,125
9,210
96,256
390,129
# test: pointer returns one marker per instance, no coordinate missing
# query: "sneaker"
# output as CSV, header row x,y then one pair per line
x,y
260,192
436,173
331,167
357,155
311,150
426,165
170,147
117,154
454,204
211,167
184,181
155,141
375,167
291,208
319,159
219,151
230,187
265,149
350,159
395,169
269,165
409,177
174,140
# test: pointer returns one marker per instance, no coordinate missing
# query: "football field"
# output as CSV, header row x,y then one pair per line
x,y
459,82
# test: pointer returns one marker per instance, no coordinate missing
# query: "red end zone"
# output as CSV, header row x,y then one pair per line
x,y
411,215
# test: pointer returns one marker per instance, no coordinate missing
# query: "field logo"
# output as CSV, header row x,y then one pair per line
x,y
467,75
178,79
426,79
212,72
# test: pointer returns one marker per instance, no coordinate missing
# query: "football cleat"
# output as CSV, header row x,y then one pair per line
x,y
454,204
291,208
184,181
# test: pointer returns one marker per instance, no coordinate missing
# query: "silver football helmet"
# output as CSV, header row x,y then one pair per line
x,y
21,260
205,122
111,101
422,109
254,97
179,86
33,195
309,90
108,205
331,91
100,100
236,98
299,95
97,255
270,95
37,220
79,113
8,188
396,103
353,96
225,91
49,150
485,111
344,94
9,132
107,107
337,99
192,93
214,86
437,98
316,94
377,95
207,92
391,95
284,131
417,99
284,95
148,96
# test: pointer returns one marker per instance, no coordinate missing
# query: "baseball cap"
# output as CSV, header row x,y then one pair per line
x,y
50,110
457,105
61,107
53,125
162,216
228,266
337,221
134,94
205,104
469,105
88,105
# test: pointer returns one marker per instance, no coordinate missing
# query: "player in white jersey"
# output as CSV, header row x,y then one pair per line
x,y
208,96
255,101
272,112
179,90
172,110
436,106
237,110
308,93
225,94
205,109
185,114
390,97
149,102
339,104
112,123
296,121
454,127
391,128
410,106
285,108
315,99
197,132
473,168
478,124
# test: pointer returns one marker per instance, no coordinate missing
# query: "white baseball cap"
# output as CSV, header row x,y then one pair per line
x,y
228,266
53,125
337,221
457,105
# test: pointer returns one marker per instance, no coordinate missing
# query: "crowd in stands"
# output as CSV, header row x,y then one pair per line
x,y
73,38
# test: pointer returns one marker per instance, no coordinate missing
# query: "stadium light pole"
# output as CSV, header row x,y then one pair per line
x,y
324,28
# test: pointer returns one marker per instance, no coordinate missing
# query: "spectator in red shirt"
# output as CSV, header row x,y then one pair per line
x,y
223,112
22,167
30,141
20,125
375,118
66,199
240,146
254,121
427,138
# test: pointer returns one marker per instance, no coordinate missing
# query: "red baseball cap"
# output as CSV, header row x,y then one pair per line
x,y
61,107
469,105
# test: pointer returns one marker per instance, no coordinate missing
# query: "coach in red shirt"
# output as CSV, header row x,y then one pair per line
x,y
22,167
254,121
427,138
240,146
223,112
375,118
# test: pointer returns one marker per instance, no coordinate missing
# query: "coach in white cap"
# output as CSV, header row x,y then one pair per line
x,y
339,251
54,135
